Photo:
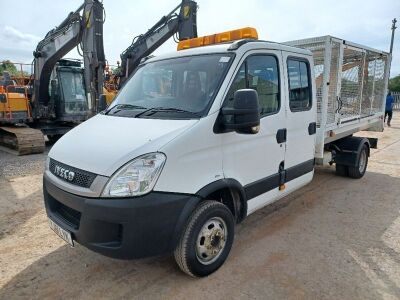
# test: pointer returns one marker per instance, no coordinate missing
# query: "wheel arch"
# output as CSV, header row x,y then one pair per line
x,y
232,194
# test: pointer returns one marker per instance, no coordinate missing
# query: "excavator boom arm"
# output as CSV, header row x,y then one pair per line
x,y
184,24
86,30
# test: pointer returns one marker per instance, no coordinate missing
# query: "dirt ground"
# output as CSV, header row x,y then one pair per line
x,y
337,238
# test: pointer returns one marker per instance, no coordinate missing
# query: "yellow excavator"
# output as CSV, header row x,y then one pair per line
x,y
15,109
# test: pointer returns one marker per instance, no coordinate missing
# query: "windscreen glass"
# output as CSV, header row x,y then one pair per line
x,y
73,90
178,88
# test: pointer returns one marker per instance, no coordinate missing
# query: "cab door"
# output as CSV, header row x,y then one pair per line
x,y
300,98
255,160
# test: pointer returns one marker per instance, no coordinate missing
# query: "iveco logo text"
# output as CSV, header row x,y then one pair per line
x,y
64,173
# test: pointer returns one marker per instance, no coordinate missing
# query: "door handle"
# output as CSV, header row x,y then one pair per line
x,y
312,128
281,135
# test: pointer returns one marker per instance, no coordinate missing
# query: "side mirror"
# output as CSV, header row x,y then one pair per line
x,y
245,112
102,102
3,98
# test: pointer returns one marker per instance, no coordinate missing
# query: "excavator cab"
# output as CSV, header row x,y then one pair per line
x,y
72,105
67,92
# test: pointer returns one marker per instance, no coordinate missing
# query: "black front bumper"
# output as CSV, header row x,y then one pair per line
x,y
122,228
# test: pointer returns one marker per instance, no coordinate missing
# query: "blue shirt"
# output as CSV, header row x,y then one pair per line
x,y
389,102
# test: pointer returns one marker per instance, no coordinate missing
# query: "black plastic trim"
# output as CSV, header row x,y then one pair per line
x,y
281,135
299,170
262,186
312,128
124,228
350,120
271,182
230,184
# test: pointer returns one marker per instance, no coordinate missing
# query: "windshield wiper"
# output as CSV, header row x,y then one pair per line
x,y
166,109
124,107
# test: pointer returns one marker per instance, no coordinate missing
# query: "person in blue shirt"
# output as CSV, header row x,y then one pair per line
x,y
389,108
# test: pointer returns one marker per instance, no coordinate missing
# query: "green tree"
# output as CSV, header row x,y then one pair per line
x,y
116,70
9,67
394,84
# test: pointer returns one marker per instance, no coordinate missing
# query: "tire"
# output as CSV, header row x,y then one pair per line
x,y
342,170
191,252
359,170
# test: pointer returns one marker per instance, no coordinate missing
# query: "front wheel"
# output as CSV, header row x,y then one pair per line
x,y
207,239
359,170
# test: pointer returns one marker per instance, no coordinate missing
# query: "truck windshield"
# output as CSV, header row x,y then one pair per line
x,y
181,87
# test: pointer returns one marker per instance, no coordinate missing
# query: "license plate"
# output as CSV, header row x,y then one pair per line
x,y
62,233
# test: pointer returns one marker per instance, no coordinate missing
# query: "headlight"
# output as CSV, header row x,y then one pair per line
x,y
137,177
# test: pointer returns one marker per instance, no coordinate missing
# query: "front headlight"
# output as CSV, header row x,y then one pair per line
x,y
137,177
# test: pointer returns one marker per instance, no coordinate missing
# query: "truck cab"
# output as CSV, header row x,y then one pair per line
x,y
194,142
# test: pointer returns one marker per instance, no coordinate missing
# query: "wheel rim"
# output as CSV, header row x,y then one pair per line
x,y
363,161
211,240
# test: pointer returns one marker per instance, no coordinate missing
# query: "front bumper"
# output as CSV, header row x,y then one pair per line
x,y
122,228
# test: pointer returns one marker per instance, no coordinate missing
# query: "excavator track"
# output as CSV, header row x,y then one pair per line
x,y
22,140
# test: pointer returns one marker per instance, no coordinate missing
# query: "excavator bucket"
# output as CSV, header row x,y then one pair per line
x,y
22,140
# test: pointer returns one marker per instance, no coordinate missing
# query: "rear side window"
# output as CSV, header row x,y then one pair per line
x,y
260,73
299,85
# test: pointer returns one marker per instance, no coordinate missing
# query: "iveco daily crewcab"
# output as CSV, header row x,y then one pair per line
x,y
198,139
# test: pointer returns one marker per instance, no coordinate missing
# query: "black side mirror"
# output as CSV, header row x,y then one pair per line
x,y
245,112
102,102
3,98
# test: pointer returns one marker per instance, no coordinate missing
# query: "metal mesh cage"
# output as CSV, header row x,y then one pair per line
x,y
368,85
379,84
354,75
333,83
318,50
351,83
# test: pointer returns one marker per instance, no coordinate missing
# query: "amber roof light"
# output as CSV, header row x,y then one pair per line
x,y
217,38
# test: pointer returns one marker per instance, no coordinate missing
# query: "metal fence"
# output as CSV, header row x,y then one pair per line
x,y
350,79
396,96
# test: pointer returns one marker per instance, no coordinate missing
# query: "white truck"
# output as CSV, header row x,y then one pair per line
x,y
199,139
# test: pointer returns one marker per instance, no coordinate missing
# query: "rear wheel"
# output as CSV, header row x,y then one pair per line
x,y
207,239
359,170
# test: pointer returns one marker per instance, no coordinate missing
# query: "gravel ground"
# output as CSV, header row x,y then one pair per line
x,y
14,166
336,238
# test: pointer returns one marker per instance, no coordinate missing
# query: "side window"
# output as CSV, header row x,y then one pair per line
x,y
299,85
263,77
261,73
237,84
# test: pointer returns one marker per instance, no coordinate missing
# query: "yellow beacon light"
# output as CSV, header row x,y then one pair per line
x,y
222,37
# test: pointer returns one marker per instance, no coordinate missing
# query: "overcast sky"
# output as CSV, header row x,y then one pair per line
x,y
24,23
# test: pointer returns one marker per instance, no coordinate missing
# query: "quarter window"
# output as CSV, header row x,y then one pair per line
x,y
258,72
299,85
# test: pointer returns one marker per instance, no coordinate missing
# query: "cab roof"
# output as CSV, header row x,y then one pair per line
x,y
241,46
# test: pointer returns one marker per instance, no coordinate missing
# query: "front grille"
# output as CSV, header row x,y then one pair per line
x,y
81,178
67,214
